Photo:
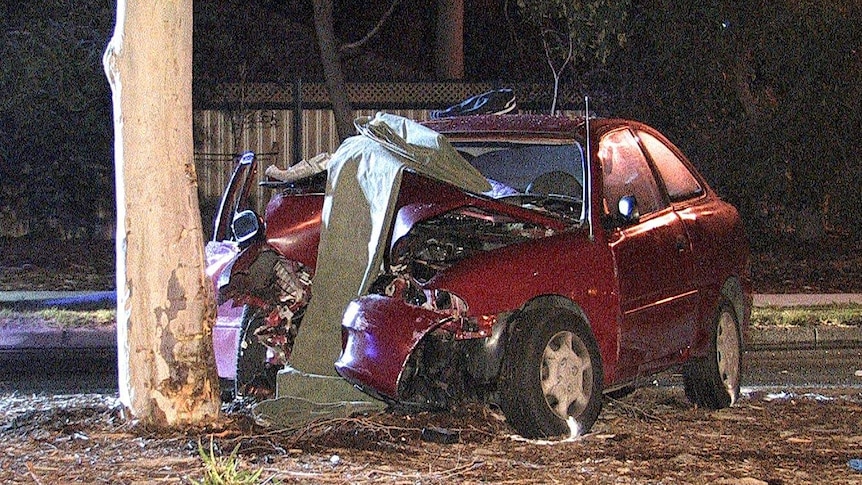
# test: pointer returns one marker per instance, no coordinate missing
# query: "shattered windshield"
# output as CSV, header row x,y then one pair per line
x,y
546,177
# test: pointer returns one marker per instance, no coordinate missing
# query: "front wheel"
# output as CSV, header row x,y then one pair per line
x,y
713,382
552,374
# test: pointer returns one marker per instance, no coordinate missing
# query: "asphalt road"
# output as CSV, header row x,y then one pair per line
x,y
85,372
64,372
804,368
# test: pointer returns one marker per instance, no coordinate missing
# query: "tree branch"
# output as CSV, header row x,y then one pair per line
x,y
335,84
348,49
556,72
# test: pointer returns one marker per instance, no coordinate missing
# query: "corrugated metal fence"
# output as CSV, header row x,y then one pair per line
x,y
268,133
259,118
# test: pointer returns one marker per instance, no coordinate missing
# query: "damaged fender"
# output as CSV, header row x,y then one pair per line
x,y
379,334
261,277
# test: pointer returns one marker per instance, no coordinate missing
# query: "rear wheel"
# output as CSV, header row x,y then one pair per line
x,y
254,376
713,382
552,374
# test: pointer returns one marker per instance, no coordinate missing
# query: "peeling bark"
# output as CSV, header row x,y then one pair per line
x,y
165,303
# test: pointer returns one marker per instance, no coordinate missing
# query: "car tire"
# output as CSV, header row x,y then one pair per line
x,y
227,388
713,381
552,371
254,376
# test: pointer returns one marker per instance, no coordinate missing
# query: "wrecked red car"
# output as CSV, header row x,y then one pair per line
x,y
590,255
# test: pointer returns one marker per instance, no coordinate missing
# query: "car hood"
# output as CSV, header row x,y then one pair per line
x,y
364,177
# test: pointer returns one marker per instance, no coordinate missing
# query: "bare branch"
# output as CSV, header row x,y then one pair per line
x,y
557,73
349,48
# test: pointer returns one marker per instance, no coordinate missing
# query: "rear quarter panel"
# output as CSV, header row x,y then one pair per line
x,y
721,252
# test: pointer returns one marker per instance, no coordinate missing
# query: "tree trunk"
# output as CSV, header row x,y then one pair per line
x,y
329,57
742,71
165,307
449,51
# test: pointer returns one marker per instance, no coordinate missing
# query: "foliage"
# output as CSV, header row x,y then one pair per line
x,y
55,118
221,470
577,31
595,28
764,97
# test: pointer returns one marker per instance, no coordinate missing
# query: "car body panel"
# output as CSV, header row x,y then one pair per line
x,y
293,226
658,298
226,338
375,351
247,277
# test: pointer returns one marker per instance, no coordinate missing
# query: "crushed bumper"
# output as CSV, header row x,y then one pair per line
x,y
379,333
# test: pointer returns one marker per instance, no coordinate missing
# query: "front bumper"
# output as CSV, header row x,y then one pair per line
x,y
378,335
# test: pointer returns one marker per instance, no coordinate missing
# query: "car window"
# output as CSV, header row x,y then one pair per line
x,y
625,172
516,166
678,180
544,177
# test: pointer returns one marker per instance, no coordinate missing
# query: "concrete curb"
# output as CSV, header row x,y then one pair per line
x,y
790,338
69,300
13,340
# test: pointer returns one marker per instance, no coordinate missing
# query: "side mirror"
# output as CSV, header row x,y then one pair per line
x,y
628,209
245,226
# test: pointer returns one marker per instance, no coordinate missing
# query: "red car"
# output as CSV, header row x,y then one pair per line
x,y
600,256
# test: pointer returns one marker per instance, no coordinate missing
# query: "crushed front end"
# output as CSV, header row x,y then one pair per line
x,y
413,341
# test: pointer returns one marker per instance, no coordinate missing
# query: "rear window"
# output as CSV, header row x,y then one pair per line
x,y
680,183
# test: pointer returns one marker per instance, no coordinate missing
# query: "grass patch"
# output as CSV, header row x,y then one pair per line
x,y
225,470
844,315
55,317
839,315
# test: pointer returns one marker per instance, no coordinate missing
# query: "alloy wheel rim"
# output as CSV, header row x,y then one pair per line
x,y
728,354
566,375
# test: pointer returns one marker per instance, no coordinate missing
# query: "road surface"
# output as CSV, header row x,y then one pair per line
x,y
774,370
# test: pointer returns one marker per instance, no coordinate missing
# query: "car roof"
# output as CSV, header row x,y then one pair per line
x,y
517,127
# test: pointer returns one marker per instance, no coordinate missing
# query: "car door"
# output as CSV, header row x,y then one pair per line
x,y
653,261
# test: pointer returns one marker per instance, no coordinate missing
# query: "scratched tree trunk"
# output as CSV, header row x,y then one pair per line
x,y
165,304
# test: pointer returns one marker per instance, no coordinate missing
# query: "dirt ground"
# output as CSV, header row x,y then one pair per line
x,y
651,436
